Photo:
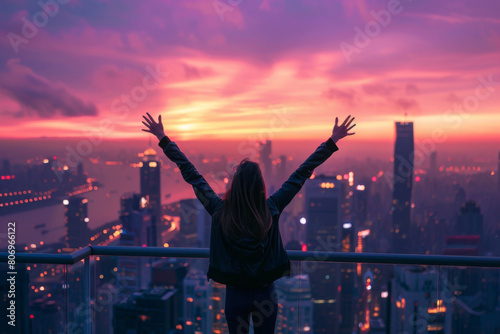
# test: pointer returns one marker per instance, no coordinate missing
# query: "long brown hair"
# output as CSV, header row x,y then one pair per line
x,y
245,212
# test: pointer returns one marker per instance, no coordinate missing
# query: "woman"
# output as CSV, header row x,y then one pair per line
x,y
246,250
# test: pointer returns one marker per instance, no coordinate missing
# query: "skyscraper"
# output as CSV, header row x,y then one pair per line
x,y
295,310
347,279
75,221
265,159
415,308
433,164
136,231
195,224
198,306
469,220
149,311
151,189
401,193
323,229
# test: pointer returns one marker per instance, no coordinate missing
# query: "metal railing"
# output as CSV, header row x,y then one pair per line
x,y
340,257
86,252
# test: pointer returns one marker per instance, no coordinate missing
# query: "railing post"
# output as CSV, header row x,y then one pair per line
x,y
86,295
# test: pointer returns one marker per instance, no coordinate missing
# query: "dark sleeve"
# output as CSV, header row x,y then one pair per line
x,y
283,196
202,189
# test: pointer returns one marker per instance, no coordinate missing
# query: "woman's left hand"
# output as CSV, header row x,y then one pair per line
x,y
153,127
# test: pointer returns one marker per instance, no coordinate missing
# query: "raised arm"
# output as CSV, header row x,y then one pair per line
x,y
202,189
283,196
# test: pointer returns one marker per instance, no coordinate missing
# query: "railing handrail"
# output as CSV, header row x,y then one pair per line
x,y
343,257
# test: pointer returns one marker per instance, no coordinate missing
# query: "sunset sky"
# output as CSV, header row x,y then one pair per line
x,y
229,69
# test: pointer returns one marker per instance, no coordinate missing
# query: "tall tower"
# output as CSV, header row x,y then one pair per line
x,y
469,220
75,221
151,189
401,194
433,164
295,311
136,221
265,159
323,233
347,279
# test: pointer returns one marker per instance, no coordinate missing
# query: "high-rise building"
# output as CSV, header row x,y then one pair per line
x,y
414,306
149,311
347,280
136,220
170,273
360,205
402,187
75,221
151,189
433,164
323,233
135,272
195,224
5,167
265,159
295,309
219,323
281,168
197,303
469,220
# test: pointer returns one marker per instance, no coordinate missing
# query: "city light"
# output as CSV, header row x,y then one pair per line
x,y
327,185
347,225
65,202
364,233
303,220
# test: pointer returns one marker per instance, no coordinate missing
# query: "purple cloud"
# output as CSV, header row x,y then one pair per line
x,y
37,95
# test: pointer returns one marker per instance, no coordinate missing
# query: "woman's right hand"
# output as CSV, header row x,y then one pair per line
x,y
153,127
341,131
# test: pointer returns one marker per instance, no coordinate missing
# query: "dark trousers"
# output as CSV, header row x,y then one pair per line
x,y
260,303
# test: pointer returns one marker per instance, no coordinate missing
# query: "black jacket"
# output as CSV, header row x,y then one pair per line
x,y
247,262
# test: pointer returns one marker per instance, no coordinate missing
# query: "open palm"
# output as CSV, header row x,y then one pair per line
x,y
153,127
341,131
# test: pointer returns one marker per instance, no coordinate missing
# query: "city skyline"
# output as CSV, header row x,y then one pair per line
x,y
333,207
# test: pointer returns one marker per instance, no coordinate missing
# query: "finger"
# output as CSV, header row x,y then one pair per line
x,y
350,134
336,121
151,117
352,119
159,119
146,124
147,120
351,127
146,130
345,121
